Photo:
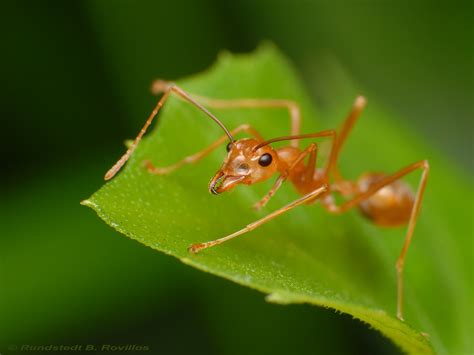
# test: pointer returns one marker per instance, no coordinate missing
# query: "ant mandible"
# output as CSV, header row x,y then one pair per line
x,y
383,198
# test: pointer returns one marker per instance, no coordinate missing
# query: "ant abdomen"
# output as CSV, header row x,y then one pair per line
x,y
391,205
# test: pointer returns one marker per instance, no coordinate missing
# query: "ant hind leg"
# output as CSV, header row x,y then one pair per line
x,y
330,205
343,133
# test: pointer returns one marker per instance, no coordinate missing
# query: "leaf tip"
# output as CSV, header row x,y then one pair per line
x,y
87,203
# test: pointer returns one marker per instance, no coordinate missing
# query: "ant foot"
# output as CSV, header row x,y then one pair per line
x,y
195,248
153,169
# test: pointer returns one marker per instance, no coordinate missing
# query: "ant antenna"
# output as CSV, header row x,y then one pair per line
x,y
326,133
160,86
166,86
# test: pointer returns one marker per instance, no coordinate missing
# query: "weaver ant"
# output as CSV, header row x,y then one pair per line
x,y
382,198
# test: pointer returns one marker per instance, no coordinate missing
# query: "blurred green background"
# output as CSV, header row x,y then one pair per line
x,y
75,79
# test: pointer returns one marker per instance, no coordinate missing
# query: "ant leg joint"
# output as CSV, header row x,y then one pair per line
x,y
332,208
159,86
330,205
360,102
399,265
152,169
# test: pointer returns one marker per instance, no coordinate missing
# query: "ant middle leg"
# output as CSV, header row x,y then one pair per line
x,y
202,153
330,205
312,151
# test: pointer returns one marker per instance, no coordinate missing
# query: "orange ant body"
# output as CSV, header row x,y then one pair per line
x,y
382,198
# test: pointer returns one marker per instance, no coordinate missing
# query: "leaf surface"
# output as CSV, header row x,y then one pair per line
x,y
304,256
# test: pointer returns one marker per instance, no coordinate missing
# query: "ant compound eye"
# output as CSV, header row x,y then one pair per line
x,y
265,159
228,146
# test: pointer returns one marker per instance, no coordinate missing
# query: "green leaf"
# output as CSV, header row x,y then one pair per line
x,y
304,256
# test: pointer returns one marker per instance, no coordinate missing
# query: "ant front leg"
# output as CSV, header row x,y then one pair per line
x,y
415,210
195,248
166,88
118,165
312,151
202,153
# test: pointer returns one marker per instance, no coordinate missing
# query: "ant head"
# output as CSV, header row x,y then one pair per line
x,y
247,162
